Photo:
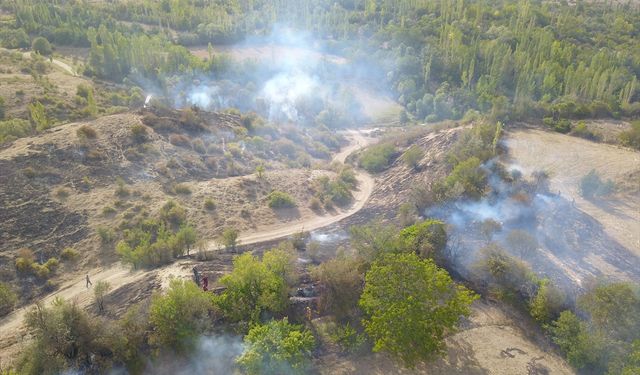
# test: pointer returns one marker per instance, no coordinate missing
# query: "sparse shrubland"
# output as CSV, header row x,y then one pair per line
x,y
336,191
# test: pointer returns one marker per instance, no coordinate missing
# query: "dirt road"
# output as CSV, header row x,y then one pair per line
x,y
119,275
360,197
59,63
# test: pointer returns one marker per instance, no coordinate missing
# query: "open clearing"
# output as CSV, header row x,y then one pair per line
x,y
567,159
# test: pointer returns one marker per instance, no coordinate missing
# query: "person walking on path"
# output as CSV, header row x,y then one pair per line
x,y
88,282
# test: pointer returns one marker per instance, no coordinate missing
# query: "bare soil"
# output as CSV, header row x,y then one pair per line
x,y
567,159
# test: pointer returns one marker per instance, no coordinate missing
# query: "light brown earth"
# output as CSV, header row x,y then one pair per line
x,y
567,159
268,52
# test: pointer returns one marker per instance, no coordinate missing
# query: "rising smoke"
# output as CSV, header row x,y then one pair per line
x,y
572,248
287,76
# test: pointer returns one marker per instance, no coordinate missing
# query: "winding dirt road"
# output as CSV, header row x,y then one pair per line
x,y
12,331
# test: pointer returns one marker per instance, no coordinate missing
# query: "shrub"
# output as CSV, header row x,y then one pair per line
x,y
591,185
139,133
121,191
412,156
8,299
209,204
315,204
629,138
69,254
62,193
182,189
108,211
279,199
377,158
277,347
581,130
173,213
106,235
349,340
180,140
198,145
86,131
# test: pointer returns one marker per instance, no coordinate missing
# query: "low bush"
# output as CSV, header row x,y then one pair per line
x,y
629,138
377,158
182,189
180,140
209,204
86,132
69,254
139,133
106,235
581,130
280,199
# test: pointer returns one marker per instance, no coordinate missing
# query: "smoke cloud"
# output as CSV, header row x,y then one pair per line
x,y
213,355
572,247
287,76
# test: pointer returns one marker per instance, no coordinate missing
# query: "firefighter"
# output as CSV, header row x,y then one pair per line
x,y
88,281
205,283
196,276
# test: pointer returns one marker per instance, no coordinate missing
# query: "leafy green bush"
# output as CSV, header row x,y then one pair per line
x,y
180,316
377,158
69,254
277,347
279,199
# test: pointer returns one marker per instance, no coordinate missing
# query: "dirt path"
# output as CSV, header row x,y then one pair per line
x,y
120,275
360,197
59,63
567,159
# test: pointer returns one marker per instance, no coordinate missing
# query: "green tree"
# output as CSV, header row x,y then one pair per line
x,y
548,302
229,238
179,316
42,46
8,299
186,237
582,349
260,171
38,116
277,347
410,304
64,337
256,286
614,308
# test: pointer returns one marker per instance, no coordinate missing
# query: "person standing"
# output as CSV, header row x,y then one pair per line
x,y
88,281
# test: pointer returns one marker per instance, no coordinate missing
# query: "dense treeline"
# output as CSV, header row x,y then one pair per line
x,y
442,58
